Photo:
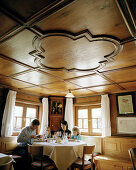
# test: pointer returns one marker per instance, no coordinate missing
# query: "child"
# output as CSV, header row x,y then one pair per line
x,y
76,133
48,132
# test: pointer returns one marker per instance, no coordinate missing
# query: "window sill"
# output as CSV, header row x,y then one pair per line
x,y
88,136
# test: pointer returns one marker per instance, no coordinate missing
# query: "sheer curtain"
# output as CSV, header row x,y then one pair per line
x,y
106,124
69,112
44,123
7,121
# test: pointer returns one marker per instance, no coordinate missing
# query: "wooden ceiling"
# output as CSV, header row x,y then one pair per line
x,y
87,46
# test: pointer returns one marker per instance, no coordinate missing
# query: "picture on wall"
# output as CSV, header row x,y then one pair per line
x,y
56,107
125,104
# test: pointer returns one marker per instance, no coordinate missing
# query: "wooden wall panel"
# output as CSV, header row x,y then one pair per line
x,y
114,114
91,99
22,97
113,111
118,146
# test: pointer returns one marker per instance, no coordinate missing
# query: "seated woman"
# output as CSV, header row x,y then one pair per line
x,y
76,133
64,130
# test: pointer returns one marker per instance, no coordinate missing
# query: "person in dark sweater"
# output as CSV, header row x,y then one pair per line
x,y
64,130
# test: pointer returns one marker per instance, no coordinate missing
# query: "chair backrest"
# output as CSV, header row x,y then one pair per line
x,y
7,165
88,150
132,154
35,150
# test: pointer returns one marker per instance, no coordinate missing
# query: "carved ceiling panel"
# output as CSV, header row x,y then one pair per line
x,y
70,49
48,47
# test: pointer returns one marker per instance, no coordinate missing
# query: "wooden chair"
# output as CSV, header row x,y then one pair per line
x,y
132,154
7,166
82,164
39,161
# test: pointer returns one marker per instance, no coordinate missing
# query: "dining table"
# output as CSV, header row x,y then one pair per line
x,y
4,159
63,153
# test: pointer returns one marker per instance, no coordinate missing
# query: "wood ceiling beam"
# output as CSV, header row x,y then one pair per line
x,y
118,69
128,15
20,73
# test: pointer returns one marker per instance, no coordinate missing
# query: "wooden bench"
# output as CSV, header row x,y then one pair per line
x,y
7,144
115,153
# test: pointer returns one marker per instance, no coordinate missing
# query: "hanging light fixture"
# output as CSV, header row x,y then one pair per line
x,y
70,95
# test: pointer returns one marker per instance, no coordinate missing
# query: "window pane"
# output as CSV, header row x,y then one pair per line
x,y
28,121
18,111
100,123
31,112
96,113
94,123
85,123
83,113
83,130
14,123
80,123
19,123
96,130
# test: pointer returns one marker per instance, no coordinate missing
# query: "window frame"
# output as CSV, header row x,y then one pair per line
x,y
25,106
89,107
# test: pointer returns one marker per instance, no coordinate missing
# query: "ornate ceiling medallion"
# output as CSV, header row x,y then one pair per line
x,y
41,57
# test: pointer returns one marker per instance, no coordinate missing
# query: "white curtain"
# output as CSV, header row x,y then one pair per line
x,y
105,108
7,121
44,123
69,112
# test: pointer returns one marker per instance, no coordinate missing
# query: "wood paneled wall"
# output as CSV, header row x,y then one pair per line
x,y
29,99
118,146
92,100
87,100
114,113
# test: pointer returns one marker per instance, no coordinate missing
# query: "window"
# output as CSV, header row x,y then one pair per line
x,y
23,115
88,119
83,120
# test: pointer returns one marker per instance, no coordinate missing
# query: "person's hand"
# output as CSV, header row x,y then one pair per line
x,y
39,136
33,136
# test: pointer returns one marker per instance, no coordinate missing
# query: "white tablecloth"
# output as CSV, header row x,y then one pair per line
x,y
62,154
4,159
